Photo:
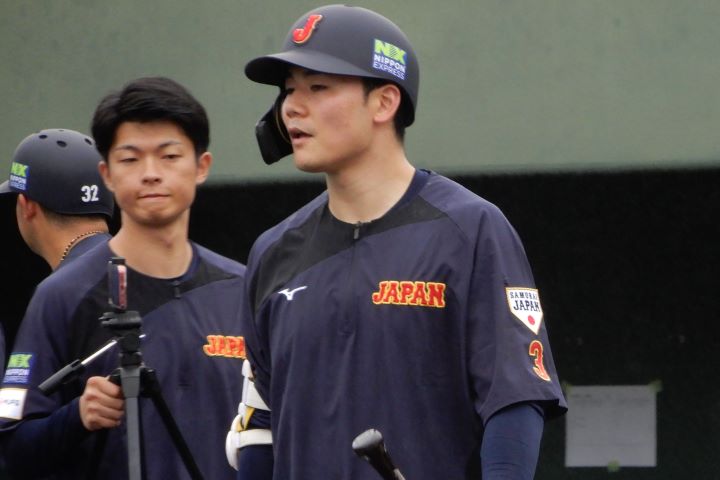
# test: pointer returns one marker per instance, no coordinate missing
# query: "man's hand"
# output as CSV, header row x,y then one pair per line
x,y
101,404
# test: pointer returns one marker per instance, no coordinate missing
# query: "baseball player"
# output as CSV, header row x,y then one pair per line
x,y
153,136
397,299
62,205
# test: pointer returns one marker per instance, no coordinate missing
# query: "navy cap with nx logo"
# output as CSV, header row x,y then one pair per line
x,y
58,168
339,40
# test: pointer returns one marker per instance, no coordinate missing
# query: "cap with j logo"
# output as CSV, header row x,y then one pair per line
x,y
338,40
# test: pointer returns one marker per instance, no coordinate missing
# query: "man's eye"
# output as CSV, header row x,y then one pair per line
x,y
317,87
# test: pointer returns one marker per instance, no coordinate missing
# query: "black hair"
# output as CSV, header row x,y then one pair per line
x,y
400,119
150,99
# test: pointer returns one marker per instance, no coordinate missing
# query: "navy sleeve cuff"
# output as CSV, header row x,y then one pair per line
x,y
37,445
511,443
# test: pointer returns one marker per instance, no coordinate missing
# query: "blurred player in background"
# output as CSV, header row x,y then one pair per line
x,y
62,206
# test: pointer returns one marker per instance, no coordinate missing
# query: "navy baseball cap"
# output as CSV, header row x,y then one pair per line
x,y
338,40
58,168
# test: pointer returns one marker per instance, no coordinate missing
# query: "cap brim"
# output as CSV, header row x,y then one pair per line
x,y
272,69
5,187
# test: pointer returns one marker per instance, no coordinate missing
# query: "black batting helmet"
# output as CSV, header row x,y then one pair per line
x,y
339,40
58,168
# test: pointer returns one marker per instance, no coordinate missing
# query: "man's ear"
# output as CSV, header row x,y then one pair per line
x,y
388,99
204,163
104,170
26,207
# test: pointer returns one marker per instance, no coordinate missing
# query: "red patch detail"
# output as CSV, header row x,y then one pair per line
x,y
225,346
302,35
536,351
531,320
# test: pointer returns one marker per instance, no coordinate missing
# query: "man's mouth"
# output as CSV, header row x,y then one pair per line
x,y
298,134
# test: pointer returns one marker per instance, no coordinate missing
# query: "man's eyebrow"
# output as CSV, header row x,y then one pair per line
x,y
134,148
126,147
304,72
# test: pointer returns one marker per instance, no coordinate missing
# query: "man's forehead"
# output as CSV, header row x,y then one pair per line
x,y
148,135
300,73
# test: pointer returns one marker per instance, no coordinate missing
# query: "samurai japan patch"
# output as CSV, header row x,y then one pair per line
x,y
524,303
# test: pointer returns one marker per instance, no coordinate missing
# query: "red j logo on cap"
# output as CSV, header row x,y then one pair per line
x,y
302,35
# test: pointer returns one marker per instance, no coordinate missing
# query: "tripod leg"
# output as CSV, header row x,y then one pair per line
x,y
152,388
130,380
133,429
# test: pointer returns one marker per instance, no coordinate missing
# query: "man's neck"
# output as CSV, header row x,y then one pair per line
x,y
156,252
369,189
62,239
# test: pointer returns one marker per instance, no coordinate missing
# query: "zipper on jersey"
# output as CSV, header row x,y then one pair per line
x,y
356,231
348,326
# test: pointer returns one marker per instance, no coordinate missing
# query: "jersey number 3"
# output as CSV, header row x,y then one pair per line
x,y
536,351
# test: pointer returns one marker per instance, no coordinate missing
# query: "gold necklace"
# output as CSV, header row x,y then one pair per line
x,y
74,241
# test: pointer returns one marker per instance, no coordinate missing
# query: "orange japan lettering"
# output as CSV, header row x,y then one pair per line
x,y
421,294
225,346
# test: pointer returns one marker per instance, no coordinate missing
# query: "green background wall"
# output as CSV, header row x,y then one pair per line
x,y
506,85
583,120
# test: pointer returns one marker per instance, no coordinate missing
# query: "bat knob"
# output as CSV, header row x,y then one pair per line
x,y
368,442
370,446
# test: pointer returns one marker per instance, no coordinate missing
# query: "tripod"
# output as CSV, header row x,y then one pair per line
x,y
136,379
133,376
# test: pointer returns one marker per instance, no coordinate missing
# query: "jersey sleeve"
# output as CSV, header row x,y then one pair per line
x,y
509,353
40,422
37,353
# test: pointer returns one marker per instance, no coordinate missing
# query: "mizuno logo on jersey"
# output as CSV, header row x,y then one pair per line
x,y
225,346
406,292
289,294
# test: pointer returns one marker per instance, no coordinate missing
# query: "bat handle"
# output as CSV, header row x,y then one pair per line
x,y
370,446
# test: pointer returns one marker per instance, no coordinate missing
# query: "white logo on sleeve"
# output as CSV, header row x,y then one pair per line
x,y
12,401
524,303
289,294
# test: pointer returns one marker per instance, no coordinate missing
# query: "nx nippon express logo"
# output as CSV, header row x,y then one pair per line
x,y
390,58
18,368
18,175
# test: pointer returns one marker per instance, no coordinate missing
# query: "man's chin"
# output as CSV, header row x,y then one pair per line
x,y
307,165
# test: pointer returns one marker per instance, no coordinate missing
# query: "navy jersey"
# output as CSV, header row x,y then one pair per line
x,y
192,340
421,324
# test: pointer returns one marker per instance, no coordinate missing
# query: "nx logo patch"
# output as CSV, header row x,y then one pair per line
x,y
225,346
18,175
524,303
405,292
389,58
302,35
18,368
